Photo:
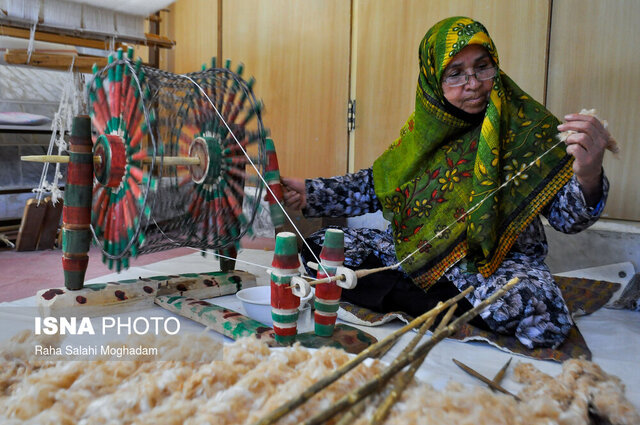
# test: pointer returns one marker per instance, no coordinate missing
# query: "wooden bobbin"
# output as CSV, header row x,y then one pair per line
x,y
328,294
110,169
76,213
209,151
284,304
272,177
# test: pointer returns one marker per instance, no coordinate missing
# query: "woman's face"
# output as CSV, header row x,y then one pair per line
x,y
473,96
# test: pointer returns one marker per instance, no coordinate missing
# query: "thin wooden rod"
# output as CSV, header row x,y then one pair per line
x,y
93,40
498,378
359,273
403,379
489,382
53,61
166,161
357,409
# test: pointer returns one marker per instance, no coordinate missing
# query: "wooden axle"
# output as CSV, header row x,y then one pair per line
x,y
358,273
166,161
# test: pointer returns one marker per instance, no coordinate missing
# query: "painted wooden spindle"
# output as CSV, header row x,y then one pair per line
x,y
272,177
284,304
328,294
76,212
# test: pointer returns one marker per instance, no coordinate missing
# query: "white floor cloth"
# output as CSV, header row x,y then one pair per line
x,y
612,335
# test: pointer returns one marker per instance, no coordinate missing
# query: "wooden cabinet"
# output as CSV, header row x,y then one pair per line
x,y
310,57
298,52
193,24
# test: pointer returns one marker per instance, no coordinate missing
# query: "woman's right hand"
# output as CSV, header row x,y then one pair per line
x,y
294,193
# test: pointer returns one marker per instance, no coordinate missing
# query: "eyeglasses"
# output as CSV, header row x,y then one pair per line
x,y
480,75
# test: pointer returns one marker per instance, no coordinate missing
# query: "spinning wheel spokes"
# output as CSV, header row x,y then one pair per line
x,y
126,151
221,213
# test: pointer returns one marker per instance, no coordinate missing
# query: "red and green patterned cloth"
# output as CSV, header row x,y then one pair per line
x,y
437,183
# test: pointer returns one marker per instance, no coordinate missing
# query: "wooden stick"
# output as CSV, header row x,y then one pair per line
x,y
484,379
359,273
90,39
370,351
60,61
353,414
498,378
380,380
166,161
12,31
402,380
358,408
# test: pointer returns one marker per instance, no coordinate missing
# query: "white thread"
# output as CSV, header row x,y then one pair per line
x,y
32,37
217,254
394,266
70,106
204,251
398,264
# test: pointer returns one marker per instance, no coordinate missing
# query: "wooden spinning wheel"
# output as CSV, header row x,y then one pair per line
x,y
166,160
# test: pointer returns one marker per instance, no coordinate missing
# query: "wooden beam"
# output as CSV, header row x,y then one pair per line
x,y
159,40
53,61
11,31
91,40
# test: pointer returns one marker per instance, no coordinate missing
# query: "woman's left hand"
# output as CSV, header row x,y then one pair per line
x,y
587,146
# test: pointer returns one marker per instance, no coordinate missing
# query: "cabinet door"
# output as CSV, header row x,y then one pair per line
x,y
386,59
193,24
594,62
298,52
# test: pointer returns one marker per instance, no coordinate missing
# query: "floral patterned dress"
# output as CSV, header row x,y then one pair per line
x,y
534,311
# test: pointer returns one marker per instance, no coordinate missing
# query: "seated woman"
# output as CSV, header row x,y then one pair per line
x,y
463,187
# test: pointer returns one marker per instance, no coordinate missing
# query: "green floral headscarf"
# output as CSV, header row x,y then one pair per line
x,y
438,182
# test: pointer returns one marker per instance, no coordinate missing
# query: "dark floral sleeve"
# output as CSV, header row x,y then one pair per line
x,y
534,311
568,211
342,196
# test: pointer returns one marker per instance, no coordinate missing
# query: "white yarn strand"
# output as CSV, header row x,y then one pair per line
x,y
205,251
438,234
32,38
394,266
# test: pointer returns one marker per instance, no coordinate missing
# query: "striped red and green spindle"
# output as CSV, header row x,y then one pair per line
x,y
284,304
76,212
327,296
272,177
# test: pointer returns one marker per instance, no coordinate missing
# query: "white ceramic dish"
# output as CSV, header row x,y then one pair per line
x,y
257,303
